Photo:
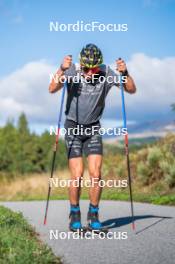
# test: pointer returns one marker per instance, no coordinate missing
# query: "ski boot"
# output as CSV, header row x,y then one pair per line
x,y
75,219
93,221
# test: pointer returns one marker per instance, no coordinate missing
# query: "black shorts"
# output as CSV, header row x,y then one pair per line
x,y
82,139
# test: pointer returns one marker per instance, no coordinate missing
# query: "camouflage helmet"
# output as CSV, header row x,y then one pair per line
x,y
91,56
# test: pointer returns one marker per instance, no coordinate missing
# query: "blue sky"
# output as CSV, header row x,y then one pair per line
x,y
25,38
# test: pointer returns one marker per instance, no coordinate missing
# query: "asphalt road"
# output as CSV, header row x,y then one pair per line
x,y
152,243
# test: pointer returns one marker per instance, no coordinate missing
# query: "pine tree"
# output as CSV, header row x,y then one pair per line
x,y
8,147
24,145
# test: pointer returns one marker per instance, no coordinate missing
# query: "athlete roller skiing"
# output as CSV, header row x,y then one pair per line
x,y
84,108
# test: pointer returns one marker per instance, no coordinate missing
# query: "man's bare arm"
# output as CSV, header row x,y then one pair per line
x,y
129,85
58,80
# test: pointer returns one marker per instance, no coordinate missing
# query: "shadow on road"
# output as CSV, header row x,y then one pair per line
x,y
117,222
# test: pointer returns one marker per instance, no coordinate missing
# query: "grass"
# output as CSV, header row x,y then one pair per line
x,y
34,187
154,198
19,242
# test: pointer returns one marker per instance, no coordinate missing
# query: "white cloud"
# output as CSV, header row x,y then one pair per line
x,y
155,81
26,89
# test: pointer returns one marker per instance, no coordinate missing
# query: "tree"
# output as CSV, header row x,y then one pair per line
x,y
8,147
24,152
24,145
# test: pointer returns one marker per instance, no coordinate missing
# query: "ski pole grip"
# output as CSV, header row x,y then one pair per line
x,y
120,59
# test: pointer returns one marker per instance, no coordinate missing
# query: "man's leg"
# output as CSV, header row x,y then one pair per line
x,y
74,153
76,171
94,168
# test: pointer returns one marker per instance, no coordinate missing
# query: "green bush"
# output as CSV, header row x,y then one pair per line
x,y
120,170
164,166
143,173
170,177
154,157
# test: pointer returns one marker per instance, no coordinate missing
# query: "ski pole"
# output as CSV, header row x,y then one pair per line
x,y
55,150
127,150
